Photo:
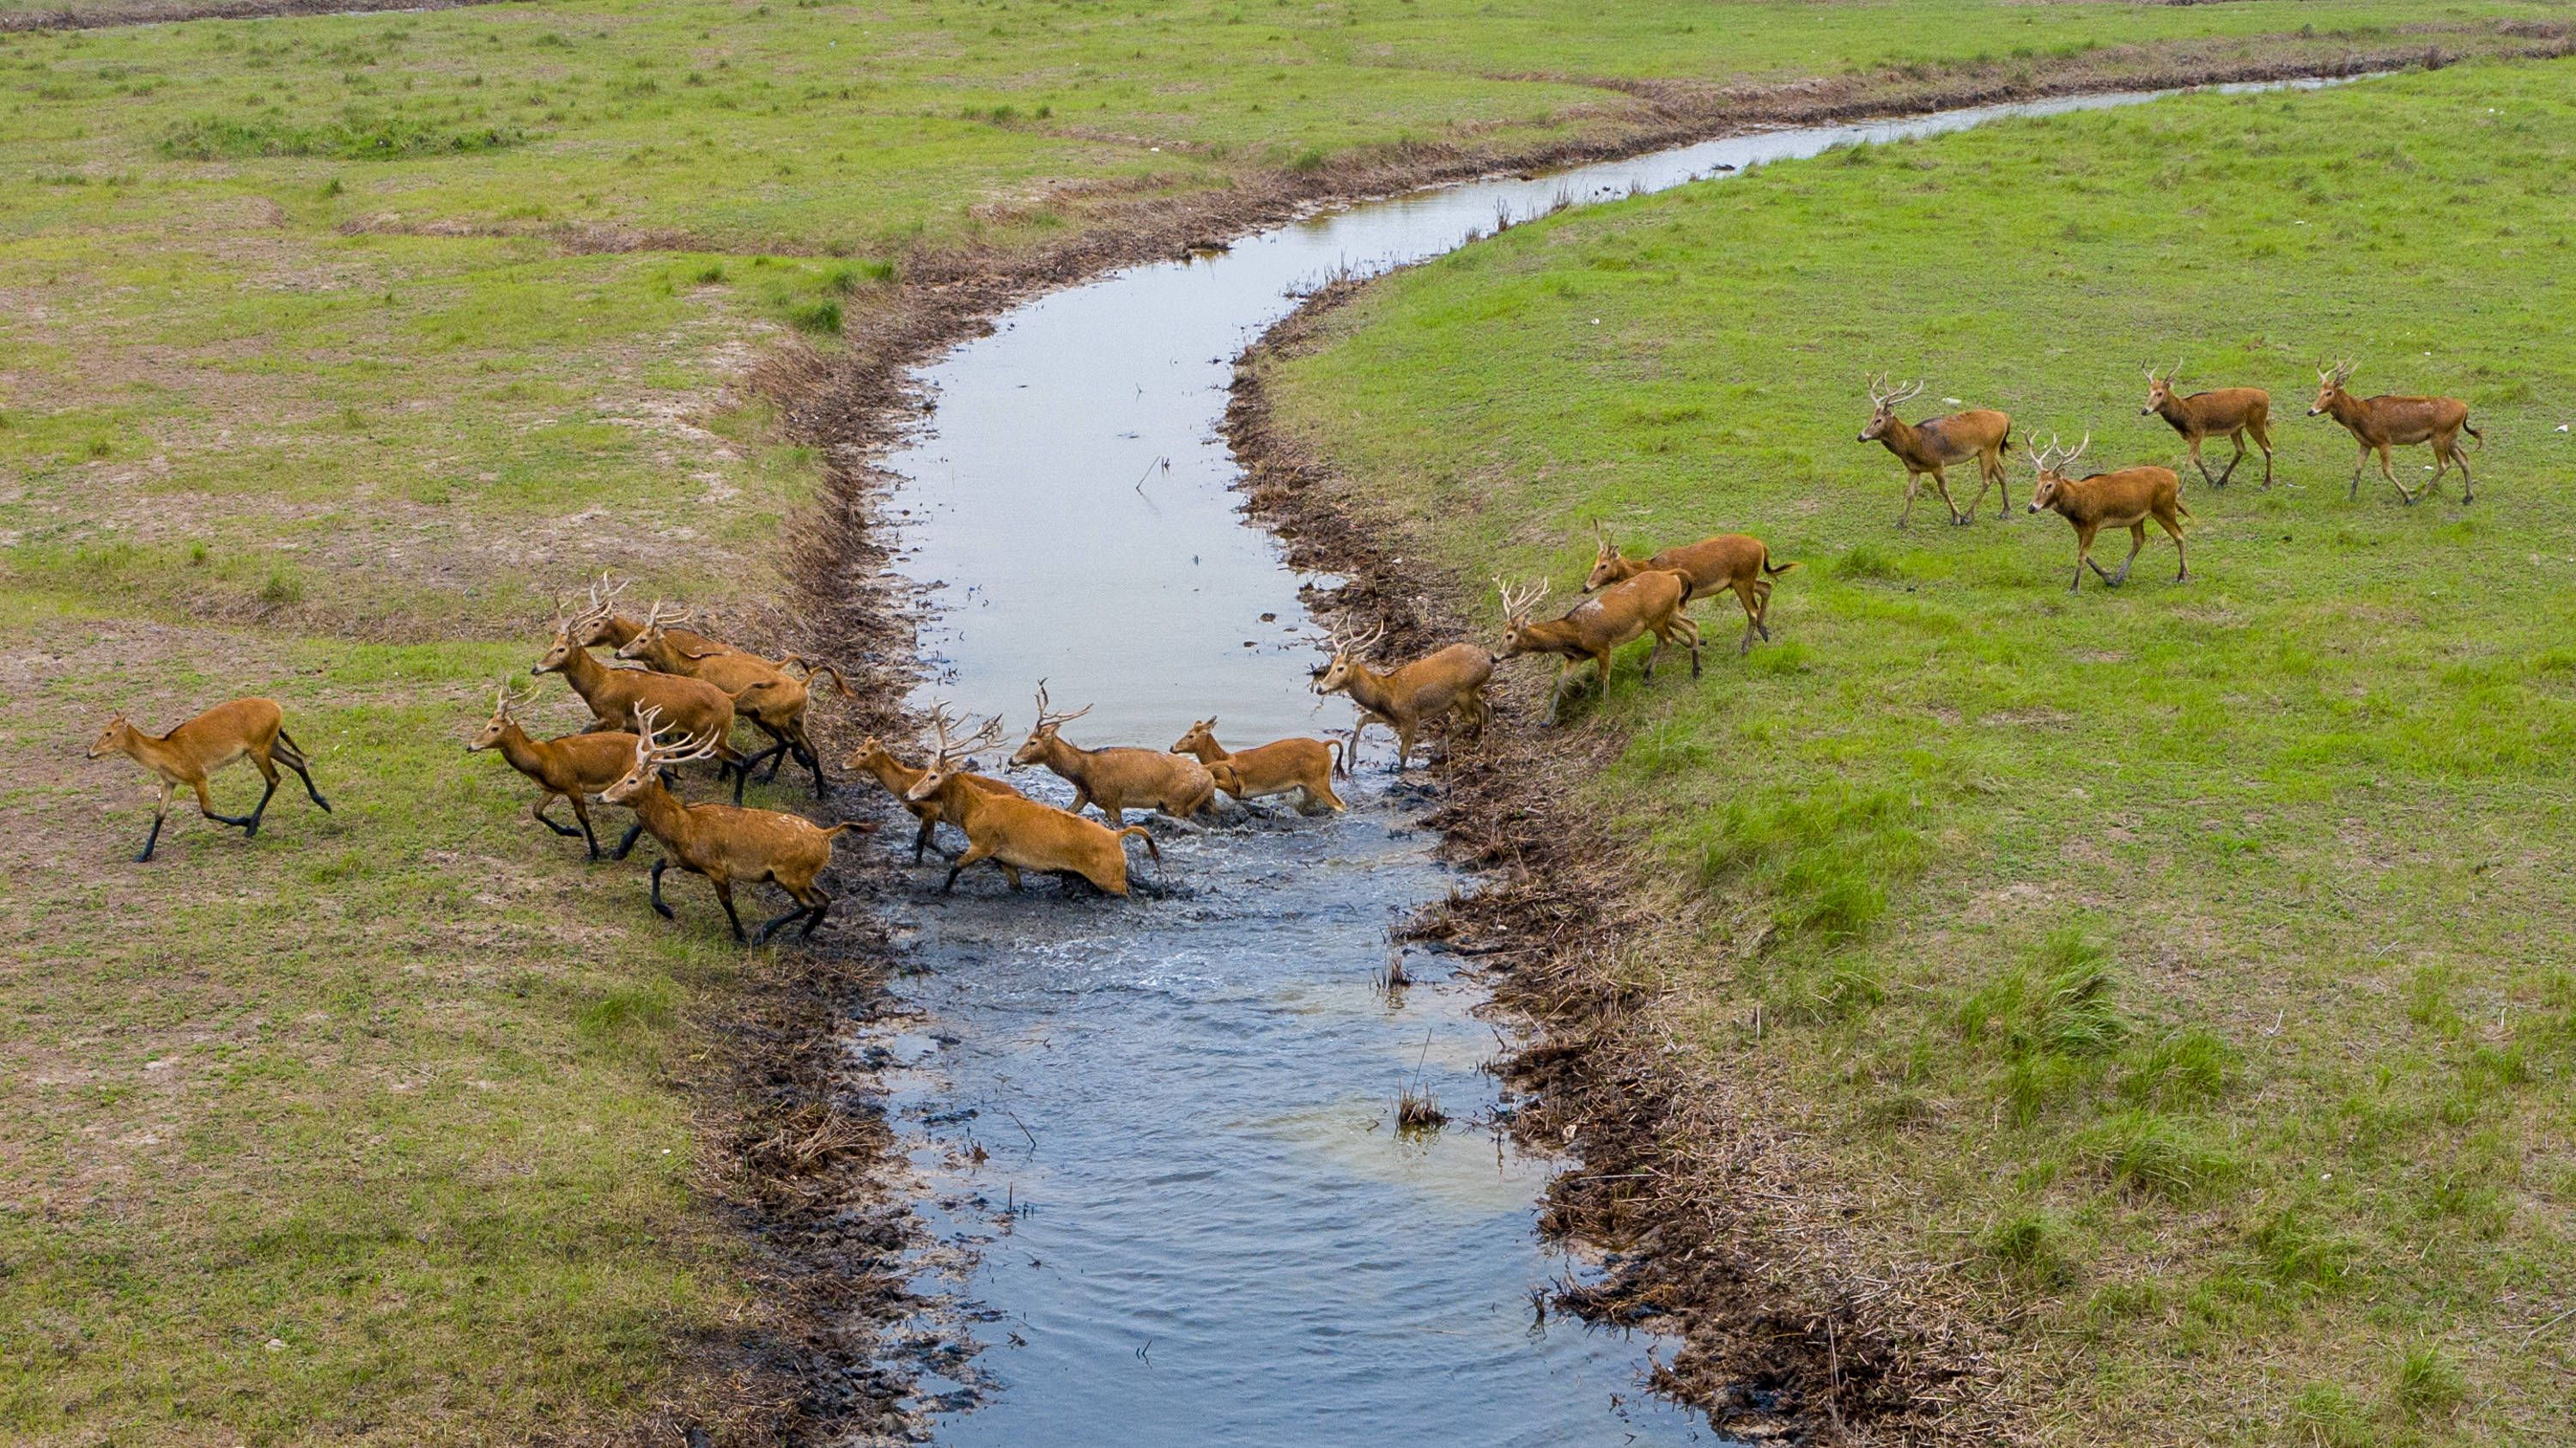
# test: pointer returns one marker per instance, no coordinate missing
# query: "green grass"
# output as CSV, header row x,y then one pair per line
x,y
2215,935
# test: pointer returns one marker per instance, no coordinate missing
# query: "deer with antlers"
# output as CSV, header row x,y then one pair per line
x,y
1929,447
1736,561
1302,766
2228,412
602,624
617,697
2124,499
727,844
570,767
1589,632
2380,423
764,693
1446,684
252,729
875,760
1014,832
1117,777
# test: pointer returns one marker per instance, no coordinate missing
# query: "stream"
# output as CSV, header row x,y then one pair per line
x,y
1152,1139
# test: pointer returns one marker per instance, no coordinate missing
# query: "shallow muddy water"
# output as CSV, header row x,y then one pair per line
x,y
1153,1138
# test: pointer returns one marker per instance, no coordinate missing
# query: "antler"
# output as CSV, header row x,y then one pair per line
x,y
506,699
657,618
1601,539
948,751
1047,718
2079,449
2044,456
1354,645
1517,602
651,752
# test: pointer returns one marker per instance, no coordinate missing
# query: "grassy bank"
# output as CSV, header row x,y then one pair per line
x,y
334,346
2171,985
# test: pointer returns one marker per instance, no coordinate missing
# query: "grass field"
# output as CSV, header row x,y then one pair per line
x,y
330,350
2191,963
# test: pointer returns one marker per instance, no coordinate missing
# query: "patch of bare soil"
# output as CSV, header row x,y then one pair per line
x,y
110,13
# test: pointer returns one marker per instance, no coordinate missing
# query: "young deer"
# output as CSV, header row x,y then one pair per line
x,y
725,843
1736,561
2380,423
764,693
1117,777
2228,412
1930,446
1302,765
1647,603
253,729
1014,832
2125,499
572,766
873,758
601,624
1429,690
618,697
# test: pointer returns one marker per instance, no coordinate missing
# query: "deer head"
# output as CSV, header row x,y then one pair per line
x,y
1201,733
949,754
111,740
2051,461
1034,748
591,625
1605,559
1349,651
1517,603
1883,403
2330,381
649,637
2160,389
653,755
505,707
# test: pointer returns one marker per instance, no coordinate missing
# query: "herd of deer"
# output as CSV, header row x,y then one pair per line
x,y
680,700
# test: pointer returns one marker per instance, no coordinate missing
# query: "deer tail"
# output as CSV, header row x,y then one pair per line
x,y
1142,833
1341,758
1775,570
295,751
862,826
2464,427
815,670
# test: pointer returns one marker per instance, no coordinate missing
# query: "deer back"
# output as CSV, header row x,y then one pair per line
x,y
1430,684
1714,563
1960,436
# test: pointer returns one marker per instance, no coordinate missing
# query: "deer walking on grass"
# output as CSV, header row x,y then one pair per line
x,y
1735,561
872,758
1645,603
1440,686
2380,423
1283,766
569,767
1014,832
727,844
2125,499
1117,777
252,729
2228,412
1929,447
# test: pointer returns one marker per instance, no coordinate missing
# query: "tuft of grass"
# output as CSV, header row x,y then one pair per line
x,y
2143,1151
2426,1383
2032,1246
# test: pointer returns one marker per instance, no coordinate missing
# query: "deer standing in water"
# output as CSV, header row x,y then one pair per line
x,y
1014,832
1737,561
1646,603
2125,499
2228,412
1304,766
1440,685
252,729
1117,777
1932,445
2380,423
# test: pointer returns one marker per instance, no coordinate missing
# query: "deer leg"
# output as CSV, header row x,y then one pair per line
x,y
658,907
206,806
1941,480
921,842
803,909
1690,631
581,812
1653,652
160,812
1913,485
972,854
260,811
538,813
1010,872
2353,493
2173,526
2137,540
1403,747
2083,556
724,893
2237,437
814,762
2263,439
1762,616
1992,464
627,845
2390,473
2460,455
822,906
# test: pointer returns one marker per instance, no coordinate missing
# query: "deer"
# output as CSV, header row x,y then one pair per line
x,y
725,843
874,759
1013,831
764,693
571,766
1279,767
603,625
1737,561
617,697
1115,777
1442,684
2228,412
1646,603
2124,499
238,729
1930,446
2380,423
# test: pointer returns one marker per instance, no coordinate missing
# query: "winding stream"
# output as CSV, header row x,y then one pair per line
x,y
1153,1138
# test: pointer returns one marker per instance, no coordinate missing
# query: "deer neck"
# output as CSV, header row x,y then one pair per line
x,y
891,772
1369,688
1207,751
152,751
1064,759
2345,408
582,671
518,748
1902,437
661,811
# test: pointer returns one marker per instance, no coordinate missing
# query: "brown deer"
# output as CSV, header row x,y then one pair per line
x,y
2125,499
252,729
1302,765
764,693
1737,561
2228,412
874,759
616,697
1014,832
726,844
2380,423
1117,777
1930,446
601,624
1440,685
572,766
1647,603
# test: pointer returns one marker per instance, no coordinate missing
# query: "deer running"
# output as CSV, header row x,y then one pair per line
x,y
1737,561
602,625
764,693
1445,683
1930,446
2380,423
1645,603
617,698
724,843
252,729
1014,832
1117,777
2125,499
874,759
1304,766
2228,412
571,767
